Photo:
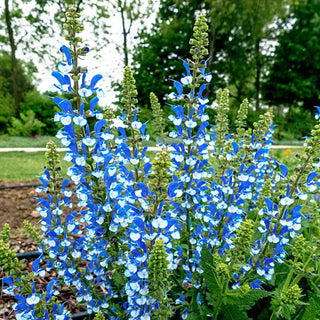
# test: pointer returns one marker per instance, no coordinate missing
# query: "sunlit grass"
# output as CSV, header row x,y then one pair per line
x,y
26,142
16,166
29,165
23,166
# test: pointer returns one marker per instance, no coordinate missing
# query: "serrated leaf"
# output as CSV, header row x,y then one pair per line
x,y
286,311
212,299
313,309
246,301
209,271
233,313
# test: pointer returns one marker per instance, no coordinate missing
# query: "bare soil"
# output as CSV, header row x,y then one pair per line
x,y
17,205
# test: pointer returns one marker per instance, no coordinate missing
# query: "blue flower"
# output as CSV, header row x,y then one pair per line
x,y
34,298
86,92
65,68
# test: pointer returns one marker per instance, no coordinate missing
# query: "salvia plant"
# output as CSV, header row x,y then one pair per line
x,y
205,229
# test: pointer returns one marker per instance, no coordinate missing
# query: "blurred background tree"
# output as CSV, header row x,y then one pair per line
x,y
266,50
239,33
293,81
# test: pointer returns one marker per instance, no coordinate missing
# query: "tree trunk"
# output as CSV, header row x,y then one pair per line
x,y
258,73
14,67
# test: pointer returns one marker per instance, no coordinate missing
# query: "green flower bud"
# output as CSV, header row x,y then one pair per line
x,y
222,270
292,295
222,122
244,235
200,39
241,119
158,263
99,316
158,114
129,93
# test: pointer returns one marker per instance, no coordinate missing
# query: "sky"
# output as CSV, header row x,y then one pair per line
x,y
109,63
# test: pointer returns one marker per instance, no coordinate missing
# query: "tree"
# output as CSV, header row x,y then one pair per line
x,y
13,48
153,59
294,78
24,83
237,29
131,12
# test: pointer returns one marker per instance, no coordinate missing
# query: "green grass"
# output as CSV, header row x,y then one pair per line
x,y
28,165
26,142
16,166
24,166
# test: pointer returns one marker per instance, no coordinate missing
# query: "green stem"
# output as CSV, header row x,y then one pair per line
x,y
286,284
273,316
285,287
219,301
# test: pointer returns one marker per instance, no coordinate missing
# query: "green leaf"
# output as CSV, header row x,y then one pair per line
x,y
313,309
209,274
233,313
286,311
245,301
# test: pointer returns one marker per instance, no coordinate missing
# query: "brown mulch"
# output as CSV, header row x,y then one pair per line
x,y
17,205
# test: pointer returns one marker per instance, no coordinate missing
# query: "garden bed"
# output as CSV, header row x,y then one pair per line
x,y
17,205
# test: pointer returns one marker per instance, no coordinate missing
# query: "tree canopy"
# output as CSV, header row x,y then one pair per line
x,y
294,77
238,29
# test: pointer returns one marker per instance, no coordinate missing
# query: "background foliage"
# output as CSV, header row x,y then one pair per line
x,y
265,50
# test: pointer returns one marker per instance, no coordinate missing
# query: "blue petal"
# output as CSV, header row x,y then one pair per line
x,y
203,125
311,176
147,167
143,188
139,223
160,207
93,103
81,109
175,146
269,204
122,131
44,182
173,186
284,170
83,84
67,53
250,169
144,150
186,65
35,264
179,87
58,76
94,81
178,111
202,88
99,125
8,281
235,147
259,153
202,164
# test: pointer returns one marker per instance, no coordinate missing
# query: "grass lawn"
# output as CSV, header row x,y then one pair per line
x,y
23,165
26,142
16,166
29,165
